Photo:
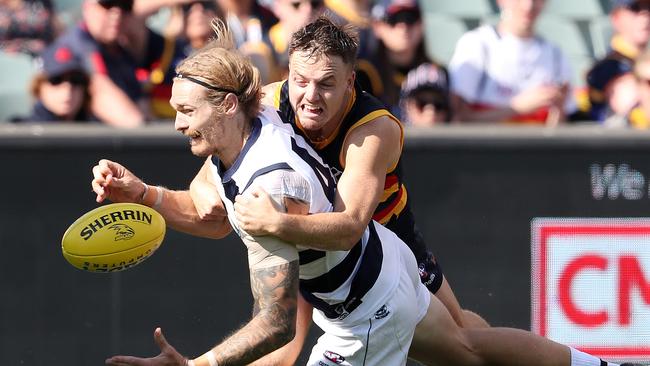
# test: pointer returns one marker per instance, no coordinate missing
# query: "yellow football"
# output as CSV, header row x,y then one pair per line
x,y
113,237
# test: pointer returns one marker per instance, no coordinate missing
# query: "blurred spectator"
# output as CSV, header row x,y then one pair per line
x,y
357,13
612,90
26,26
60,89
425,96
292,15
506,73
609,79
145,8
244,14
188,29
639,116
398,27
115,91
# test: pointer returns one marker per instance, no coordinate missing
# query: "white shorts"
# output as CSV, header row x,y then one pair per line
x,y
383,339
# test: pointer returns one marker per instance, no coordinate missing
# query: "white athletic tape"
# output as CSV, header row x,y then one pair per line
x,y
211,359
156,205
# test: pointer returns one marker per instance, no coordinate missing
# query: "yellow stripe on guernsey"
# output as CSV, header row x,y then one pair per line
x,y
277,94
370,117
389,191
386,216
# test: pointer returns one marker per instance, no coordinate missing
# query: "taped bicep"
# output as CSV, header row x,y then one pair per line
x,y
288,190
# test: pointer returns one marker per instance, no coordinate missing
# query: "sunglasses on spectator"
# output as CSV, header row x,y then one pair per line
x,y
74,78
315,4
408,17
206,4
638,7
125,5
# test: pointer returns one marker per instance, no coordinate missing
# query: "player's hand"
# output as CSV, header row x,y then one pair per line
x,y
206,200
114,182
168,355
256,213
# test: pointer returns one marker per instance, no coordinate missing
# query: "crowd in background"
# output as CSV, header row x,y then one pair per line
x,y
108,65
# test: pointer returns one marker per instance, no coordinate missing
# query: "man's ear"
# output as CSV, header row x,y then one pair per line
x,y
231,104
353,76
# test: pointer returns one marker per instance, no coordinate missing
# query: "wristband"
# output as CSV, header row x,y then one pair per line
x,y
144,193
156,205
211,359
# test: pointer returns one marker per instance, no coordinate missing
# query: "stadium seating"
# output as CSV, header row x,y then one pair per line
x,y
476,9
580,65
158,21
600,31
564,33
16,72
574,9
441,34
64,5
68,11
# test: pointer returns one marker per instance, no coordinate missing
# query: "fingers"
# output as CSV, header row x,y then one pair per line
x,y
102,178
125,361
160,339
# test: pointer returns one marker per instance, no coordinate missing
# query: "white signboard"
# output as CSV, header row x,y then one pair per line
x,y
591,285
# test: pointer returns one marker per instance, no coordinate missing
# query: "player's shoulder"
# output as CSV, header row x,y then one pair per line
x,y
384,126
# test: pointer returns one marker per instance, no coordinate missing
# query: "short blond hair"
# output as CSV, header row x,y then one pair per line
x,y
221,65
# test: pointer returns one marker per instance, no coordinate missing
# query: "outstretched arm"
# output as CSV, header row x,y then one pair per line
x,y
288,354
114,182
273,325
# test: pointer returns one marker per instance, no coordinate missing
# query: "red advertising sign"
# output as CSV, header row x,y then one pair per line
x,y
591,285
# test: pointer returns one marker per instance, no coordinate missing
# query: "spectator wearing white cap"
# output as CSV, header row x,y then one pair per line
x,y
425,96
507,73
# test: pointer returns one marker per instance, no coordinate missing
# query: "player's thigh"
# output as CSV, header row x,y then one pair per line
x,y
385,337
439,340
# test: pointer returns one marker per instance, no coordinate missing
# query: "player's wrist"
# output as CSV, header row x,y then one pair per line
x,y
145,190
152,196
206,359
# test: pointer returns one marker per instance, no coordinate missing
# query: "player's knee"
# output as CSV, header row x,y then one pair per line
x,y
469,354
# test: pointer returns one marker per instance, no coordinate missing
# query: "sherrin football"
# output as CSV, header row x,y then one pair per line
x,y
113,237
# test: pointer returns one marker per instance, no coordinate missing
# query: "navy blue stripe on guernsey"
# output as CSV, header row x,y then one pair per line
x,y
322,172
265,170
310,255
363,281
256,128
335,277
230,189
